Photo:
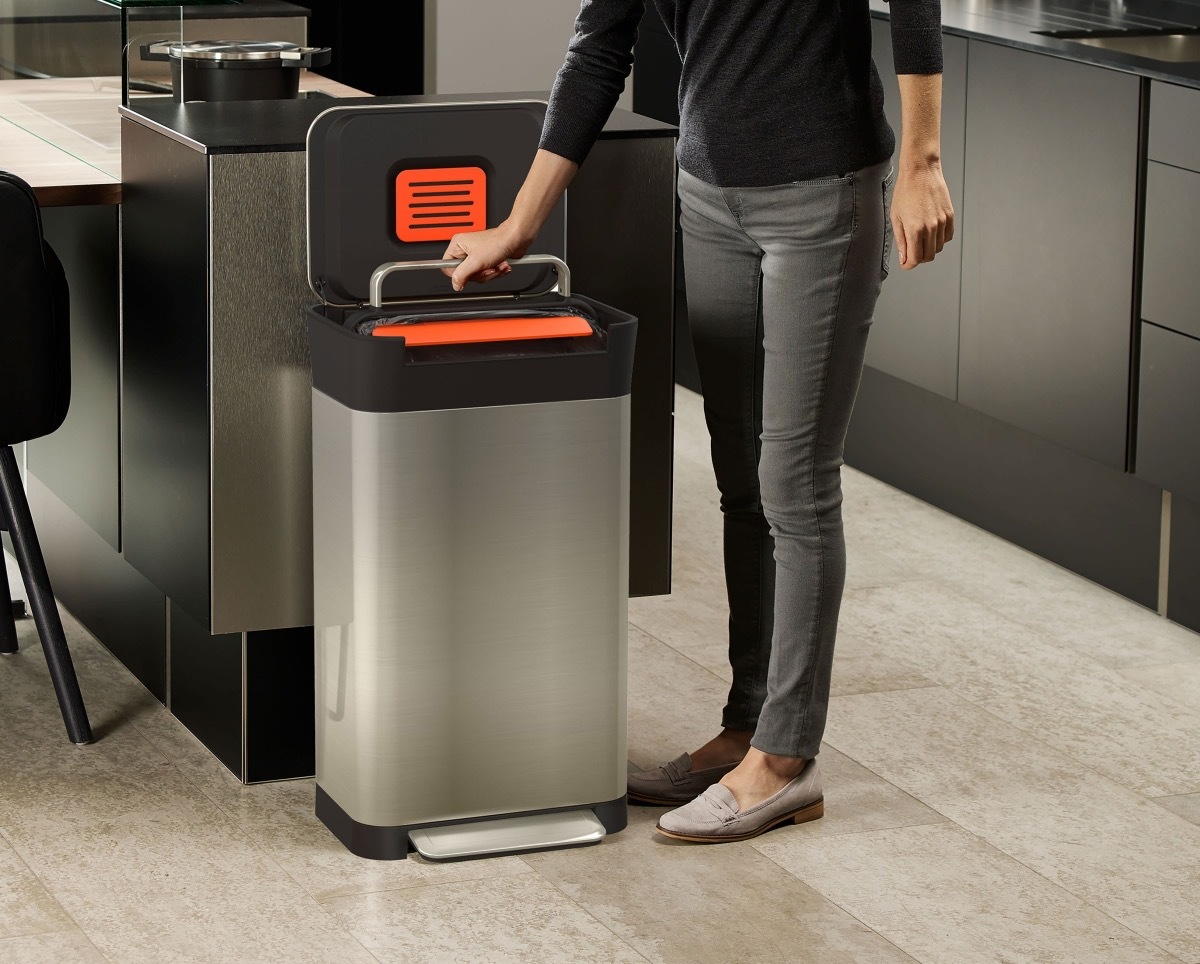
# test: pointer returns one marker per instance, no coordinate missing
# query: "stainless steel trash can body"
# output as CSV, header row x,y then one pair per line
x,y
471,538
470,608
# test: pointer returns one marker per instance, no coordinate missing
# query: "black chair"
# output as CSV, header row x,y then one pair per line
x,y
35,393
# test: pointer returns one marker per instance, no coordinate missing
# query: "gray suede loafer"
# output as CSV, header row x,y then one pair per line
x,y
673,783
713,817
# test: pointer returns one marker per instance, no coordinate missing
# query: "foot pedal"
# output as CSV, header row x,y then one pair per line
x,y
18,609
540,831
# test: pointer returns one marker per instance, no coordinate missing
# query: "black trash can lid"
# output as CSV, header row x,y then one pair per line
x,y
391,183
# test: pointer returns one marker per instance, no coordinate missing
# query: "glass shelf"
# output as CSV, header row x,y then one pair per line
x,y
166,3
126,5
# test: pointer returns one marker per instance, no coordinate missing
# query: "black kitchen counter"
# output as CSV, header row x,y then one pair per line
x,y
1014,22
86,11
240,127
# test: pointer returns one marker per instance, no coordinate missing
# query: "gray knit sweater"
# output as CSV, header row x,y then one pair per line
x,y
771,91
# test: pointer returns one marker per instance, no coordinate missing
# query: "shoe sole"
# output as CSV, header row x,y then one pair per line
x,y
814,811
659,801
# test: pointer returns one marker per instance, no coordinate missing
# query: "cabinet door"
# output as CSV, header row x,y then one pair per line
x,y
1174,125
1170,275
1168,438
915,334
1048,247
86,240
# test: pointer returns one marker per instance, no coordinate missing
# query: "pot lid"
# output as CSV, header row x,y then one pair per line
x,y
231,49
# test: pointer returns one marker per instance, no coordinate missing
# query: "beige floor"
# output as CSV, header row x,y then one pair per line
x,y
1012,759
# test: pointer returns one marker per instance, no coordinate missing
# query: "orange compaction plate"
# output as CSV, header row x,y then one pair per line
x,y
486,329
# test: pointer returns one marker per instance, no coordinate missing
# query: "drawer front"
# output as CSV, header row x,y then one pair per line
x,y
1174,125
1168,438
1170,275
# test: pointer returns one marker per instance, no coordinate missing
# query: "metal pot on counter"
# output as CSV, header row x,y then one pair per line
x,y
235,69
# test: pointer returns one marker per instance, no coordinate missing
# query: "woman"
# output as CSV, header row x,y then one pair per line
x,y
784,178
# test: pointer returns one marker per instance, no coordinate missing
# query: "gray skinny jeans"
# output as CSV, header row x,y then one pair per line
x,y
781,286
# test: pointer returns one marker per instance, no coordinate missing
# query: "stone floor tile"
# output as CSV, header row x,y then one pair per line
x,y
519,919
945,896
691,904
62,947
1109,846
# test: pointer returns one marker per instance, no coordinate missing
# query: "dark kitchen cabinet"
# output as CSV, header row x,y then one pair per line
x,y
85,238
1174,136
1170,281
1049,228
1168,437
915,334
1183,585
1171,272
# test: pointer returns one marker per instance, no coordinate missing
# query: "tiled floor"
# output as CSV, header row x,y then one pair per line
x,y
1012,760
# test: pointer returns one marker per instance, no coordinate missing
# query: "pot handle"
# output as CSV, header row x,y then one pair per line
x,y
155,50
306,56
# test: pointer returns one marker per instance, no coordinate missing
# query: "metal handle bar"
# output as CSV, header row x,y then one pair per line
x,y
562,284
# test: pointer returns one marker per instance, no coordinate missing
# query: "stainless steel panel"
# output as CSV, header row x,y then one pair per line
x,y
915,334
261,524
1170,275
543,831
471,608
1174,125
1049,227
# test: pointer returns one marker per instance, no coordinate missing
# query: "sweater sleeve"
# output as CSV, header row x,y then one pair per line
x,y
916,35
599,59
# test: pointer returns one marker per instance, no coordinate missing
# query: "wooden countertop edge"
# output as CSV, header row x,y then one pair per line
x,y
65,195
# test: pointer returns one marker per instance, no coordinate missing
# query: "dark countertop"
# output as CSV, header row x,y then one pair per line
x,y
239,127
1013,22
83,11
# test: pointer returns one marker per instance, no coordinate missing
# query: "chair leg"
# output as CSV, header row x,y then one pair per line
x,y
8,623
41,598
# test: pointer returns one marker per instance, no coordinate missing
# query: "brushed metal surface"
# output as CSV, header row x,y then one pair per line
x,y
1049,229
261,483
621,248
542,831
471,606
915,334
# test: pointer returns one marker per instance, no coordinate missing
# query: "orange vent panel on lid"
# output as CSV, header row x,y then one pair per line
x,y
434,204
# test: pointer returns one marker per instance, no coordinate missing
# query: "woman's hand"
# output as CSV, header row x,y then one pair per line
x,y
922,213
483,254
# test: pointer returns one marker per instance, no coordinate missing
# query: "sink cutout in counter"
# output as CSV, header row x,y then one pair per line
x,y
1179,44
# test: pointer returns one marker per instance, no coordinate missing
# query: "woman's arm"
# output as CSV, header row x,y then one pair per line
x,y
598,61
922,213
485,254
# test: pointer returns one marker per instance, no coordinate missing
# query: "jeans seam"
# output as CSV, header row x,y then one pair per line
x,y
755,442
812,475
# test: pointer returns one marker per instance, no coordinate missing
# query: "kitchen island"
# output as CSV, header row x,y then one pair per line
x,y
186,545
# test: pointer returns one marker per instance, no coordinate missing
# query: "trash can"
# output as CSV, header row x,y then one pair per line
x,y
470,507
